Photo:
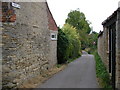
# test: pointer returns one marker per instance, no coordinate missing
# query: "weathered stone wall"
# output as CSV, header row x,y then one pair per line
x,y
0,48
103,43
118,50
100,46
103,48
26,45
53,49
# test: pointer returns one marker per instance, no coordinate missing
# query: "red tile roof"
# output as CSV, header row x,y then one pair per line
x,y
51,22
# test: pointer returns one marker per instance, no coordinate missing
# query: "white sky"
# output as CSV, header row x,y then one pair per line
x,y
96,11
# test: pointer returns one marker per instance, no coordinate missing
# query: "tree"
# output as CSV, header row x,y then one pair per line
x,y
69,45
74,46
93,37
78,20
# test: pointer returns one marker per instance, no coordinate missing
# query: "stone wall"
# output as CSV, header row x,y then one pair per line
x,y
112,23
103,47
53,41
26,45
53,49
0,48
118,50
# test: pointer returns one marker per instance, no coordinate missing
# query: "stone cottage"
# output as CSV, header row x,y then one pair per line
x,y
29,41
109,46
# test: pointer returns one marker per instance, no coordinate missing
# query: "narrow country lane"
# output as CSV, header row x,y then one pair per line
x,y
81,73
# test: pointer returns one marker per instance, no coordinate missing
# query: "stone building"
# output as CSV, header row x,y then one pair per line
x,y
53,34
29,41
109,46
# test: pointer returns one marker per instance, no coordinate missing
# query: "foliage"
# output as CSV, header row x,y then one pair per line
x,y
92,41
78,20
74,36
69,45
62,45
101,72
74,46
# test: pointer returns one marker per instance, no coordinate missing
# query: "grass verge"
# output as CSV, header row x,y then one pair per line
x,y
101,72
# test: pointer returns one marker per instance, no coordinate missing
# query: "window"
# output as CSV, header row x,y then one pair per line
x,y
53,36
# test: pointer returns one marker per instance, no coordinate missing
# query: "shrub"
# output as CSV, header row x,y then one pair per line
x,y
69,45
74,45
62,45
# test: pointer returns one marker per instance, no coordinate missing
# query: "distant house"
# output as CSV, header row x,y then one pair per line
x,y
29,41
109,46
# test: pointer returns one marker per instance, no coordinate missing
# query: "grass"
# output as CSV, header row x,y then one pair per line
x,y
101,72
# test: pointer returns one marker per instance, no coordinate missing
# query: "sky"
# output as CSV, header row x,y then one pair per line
x,y
96,11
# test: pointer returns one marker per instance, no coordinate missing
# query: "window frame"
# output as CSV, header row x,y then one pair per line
x,y
55,36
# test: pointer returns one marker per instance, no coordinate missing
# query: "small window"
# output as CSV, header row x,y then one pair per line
x,y
53,36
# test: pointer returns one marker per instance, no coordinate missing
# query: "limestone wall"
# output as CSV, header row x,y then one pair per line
x,y
26,45
118,50
103,44
53,49
103,47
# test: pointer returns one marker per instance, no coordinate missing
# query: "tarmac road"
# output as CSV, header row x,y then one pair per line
x,y
81,73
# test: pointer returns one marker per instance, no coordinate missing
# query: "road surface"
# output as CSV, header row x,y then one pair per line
x,y
80,73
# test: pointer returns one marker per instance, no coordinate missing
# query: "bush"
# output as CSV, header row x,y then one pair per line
x,y
62,45
69,45
74,46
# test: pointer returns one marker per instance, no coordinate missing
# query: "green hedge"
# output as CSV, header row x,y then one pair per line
x,y
69,45
62,45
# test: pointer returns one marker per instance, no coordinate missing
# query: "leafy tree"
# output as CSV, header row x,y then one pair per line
x,y
92,41
74,46
93,37
69,44
78,20
73,36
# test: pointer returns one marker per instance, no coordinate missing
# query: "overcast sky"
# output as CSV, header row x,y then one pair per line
x,y
96,11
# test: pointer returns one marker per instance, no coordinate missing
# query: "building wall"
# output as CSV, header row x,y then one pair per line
x,y
118,50
103,47
102,43
26,46
53,49
0,47
53,41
